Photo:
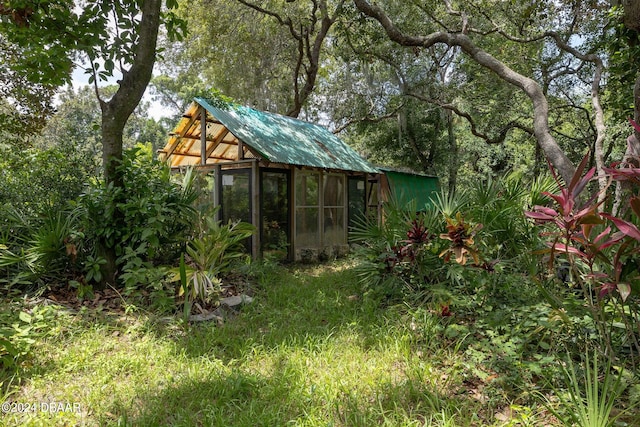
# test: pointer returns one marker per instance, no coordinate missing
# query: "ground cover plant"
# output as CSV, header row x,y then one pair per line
x,y
443,317
311,350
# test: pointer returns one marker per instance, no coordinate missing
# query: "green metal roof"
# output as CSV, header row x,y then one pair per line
x,y
281,139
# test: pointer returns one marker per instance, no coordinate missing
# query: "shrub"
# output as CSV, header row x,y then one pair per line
x,y
602,262
38,230
483,228
398,257
147,221
36,182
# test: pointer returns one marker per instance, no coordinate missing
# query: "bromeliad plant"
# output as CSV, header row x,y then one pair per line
x,y
398,256
602,261
461,235
209,256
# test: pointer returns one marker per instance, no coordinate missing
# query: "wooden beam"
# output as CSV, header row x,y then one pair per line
x,y
203,136
192,138
214,157
186,116
180,136
255,208
240,150
293,237
217,176
217,141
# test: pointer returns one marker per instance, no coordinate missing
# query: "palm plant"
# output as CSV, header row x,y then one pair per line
x,y
499,205
540,187
449,204
39,251
52,245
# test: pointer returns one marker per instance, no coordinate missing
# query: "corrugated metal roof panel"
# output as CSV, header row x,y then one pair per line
x,y
282,139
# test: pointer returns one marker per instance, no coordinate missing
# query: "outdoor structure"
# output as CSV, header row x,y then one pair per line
x,y
403,187
296,182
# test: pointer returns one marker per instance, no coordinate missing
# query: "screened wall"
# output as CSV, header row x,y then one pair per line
x,y
275,214
325,206
300,214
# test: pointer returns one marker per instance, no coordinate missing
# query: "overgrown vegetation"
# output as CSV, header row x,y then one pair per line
x,y
465,314
523,293
54,244
509,301
310,350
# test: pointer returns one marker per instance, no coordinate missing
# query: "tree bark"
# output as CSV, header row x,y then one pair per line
x,y
116,112
632,14
453,148
529,86
600,135
308,61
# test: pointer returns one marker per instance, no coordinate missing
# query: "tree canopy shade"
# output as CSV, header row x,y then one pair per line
x,y
485,59
506,73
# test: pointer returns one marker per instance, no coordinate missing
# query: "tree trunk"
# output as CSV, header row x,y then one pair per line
x,y
411,138
453,152
600,135
116,112
632,14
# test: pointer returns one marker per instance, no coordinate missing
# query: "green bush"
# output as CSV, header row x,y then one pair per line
x,y
499,205
38,231
400,256
147,221
36,182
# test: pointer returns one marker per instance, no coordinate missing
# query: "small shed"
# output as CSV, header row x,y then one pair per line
x,y
407,186
296,182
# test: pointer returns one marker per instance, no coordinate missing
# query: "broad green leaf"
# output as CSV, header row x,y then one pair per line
x,y
625,290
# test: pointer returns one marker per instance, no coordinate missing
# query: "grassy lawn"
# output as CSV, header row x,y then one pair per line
x,y
307,352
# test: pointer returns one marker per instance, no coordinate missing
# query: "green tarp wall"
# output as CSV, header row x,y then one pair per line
x,y
406,187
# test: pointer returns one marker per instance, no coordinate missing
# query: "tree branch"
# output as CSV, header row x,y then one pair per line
x,y
531,88
306,48
502,135
368,119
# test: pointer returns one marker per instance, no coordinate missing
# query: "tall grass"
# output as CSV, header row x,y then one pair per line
x,y
309,351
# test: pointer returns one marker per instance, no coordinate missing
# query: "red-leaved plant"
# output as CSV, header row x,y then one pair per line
x,y
572,234
407,250
583,235
461,235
